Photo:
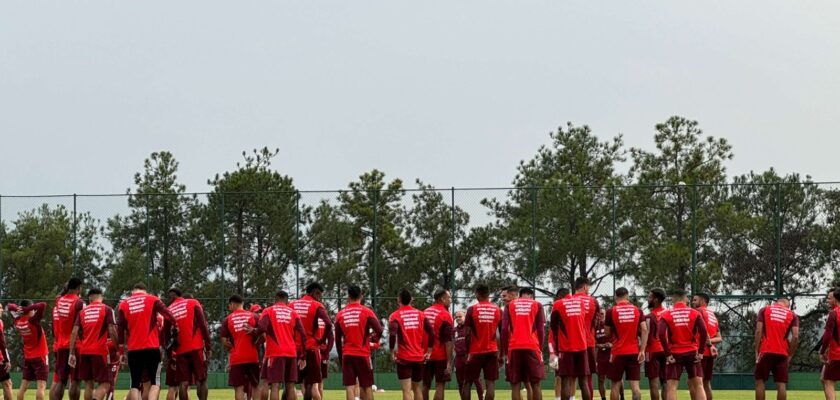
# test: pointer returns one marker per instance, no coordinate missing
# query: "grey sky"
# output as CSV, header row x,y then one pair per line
x,y
452,92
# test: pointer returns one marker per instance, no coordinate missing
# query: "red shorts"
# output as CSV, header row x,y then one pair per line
x,y
191,367
602,366
436,369
831,371
775,363
35,369
356,368
488,363
525,366
279,370
244,374
625,365
687,361
410,370
63,370
93,367
573,364
655,366
708,367
311,373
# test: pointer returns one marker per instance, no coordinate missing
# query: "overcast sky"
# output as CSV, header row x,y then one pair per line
x,y
452,92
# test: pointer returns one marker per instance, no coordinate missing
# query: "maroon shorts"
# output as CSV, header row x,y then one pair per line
x,y
655,366
602,366
191,367
488,363
831,371
4,376
460,369
325,369
35,369
687,361
592,356
171,374
708,367
244,374
93,367
436,369
279,370
625,365
410,370
356,368
573,364
525,366
775,363
63,370
311,373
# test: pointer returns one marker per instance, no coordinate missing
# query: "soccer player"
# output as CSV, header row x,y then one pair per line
x,y
243,358
353,325
324,350
67,306
624,325
94,325
35,351
193,344
137,329
410,338
776,338
700,302
603,345
441,361
592,308
461,353
655,358
283,330
682,333
482,322
830,346
5,361
313,314
523,331
569,327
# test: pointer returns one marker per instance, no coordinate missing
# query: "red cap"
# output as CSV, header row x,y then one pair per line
x,y
256,308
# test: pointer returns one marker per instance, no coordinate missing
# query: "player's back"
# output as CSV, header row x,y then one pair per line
x,y
94,321
438,316
573,327
778,322
624,319
353,322
523,315
681,324
307,309
64,316
483,319
711,321
280,337
187,318
33,336
243,350
411,342
141,321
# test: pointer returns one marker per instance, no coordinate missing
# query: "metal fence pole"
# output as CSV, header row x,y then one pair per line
x,y
148,246
694,238
222,249
451,280
297,242
778,272
612,238
2,236
373,254
533,237
75,243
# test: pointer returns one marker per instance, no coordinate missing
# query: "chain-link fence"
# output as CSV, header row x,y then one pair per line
x,y
742,244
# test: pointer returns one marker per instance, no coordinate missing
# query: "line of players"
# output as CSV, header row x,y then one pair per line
x,y
426,346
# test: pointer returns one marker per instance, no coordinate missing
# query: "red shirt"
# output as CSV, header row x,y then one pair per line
x,y
442,324
523,326
682,330
352,330
4,351
483,320
32,333
193,333
93,322
64,316
244,348
280,323
411,333
653,345
591,307
138,316
831,336
778,322
312,314
569,324
711,321
625,320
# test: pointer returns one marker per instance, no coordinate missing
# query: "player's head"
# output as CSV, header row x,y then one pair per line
x,y
700,300
509,293
829,298
602,314
315,290
621,294
836,295
74,285
24,304
655,297
404,297
561,293
174,293
2,309
527,293
235,302
255,308
94,295
354,293
679,296
459,317
783,301
281,296
188,296
138,287
582,284
482,291
443,297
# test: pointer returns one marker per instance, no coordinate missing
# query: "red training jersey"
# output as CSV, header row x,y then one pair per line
x,y
32,333
280,324
711,321
523,326
235,329
352,330
93,322
63,317
138,318
624,320
193,333
591,308
411,333
653,344
831,336
569,324
778,323
442,325
4,351
483,320
682,330
312,314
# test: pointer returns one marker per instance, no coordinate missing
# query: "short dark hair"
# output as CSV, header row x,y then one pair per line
x,y
404,296
836,294
440,293
482,290
526,291
314,286
25,303
704,296
139,286
94,291
175,291
510,288
236,299
281,295
188,296
562,292
681,293
659,293
74,283
621,292
354,292
580,282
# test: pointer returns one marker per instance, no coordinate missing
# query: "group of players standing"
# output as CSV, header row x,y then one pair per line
x,y
427,346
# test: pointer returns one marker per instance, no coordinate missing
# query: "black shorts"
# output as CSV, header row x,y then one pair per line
x,y
655,366
4,376
708,367
144,362
279,370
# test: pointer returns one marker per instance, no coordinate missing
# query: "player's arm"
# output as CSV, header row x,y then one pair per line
x,y
700,328
449,345
322,315
39,308
122,326
430,334
301,333
74,334
374,324
393,332
759,333
794,340
5,352
608,324
830,325
663,333
339,340
161,309
555,324
643,328
468,328
539,325
506,329
224,334
201,322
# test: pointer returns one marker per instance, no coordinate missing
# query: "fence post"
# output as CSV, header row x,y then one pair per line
x,y
2,236
75,238
148,246
452,245
778,272
533,237
612,237
297,242
373,256
222,249
694,238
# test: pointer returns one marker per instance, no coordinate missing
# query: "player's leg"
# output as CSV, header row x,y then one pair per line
x,y
7,389
515,391
760,389
75,389
24,385
781,391
489,389
536,389
558,388
479,389
263,388
828,389
239,392
41,389
417,390
653,384
405,387
695,384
